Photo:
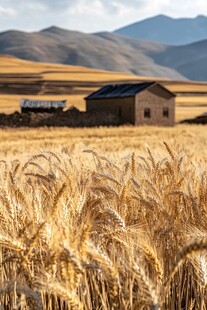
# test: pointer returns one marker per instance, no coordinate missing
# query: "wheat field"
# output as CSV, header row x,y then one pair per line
x,y
103,218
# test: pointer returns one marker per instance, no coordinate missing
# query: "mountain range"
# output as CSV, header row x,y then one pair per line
x,y
109,51
168,30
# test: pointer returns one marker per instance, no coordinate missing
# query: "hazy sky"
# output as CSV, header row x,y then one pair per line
x,y
90,15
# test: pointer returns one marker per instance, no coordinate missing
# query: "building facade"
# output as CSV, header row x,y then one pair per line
x,y
136,104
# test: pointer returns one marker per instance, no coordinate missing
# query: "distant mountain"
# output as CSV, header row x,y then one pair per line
x,y
108,51
167,30
189,60
103,51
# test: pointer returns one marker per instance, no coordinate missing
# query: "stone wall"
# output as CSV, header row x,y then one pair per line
x,y
69,118
156,104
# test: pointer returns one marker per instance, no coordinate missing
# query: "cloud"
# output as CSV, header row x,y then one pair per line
x,y
90,15
109,5
81,6
7,11
58,4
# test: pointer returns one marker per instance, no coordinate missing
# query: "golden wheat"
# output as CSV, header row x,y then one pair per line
x,y
118,230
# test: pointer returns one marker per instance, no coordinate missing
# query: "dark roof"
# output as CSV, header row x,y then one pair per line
x,y
122,90
119,90
42,104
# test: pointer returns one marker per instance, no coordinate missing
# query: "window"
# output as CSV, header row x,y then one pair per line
x,y
147,113
165,112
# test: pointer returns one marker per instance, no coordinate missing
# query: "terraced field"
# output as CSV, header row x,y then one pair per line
x,y
19,78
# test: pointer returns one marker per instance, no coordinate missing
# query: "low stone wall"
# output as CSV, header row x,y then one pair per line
x,y
70,118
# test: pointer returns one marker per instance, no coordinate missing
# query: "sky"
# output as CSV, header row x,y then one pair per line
x,y
90,15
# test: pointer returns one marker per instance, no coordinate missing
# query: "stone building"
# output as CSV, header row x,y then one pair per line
x,y
137,104
42,106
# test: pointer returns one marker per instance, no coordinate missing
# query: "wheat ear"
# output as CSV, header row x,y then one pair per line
x,y
169,150
188,250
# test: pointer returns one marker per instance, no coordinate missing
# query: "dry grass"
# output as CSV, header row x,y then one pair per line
x,y
100,220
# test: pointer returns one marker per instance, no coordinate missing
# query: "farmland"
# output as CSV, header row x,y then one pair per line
x,y
21,78
109,218
102,218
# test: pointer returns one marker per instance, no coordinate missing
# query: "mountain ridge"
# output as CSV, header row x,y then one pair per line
x,y
167,30
108,51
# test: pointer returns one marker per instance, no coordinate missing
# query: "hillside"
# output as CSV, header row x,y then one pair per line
x,y
189,60
108,51
167,30
103,51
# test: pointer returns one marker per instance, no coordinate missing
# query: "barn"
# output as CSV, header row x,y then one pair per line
x,y
42,106
137,104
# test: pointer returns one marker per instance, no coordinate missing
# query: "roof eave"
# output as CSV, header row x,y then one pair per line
x,y
163,87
